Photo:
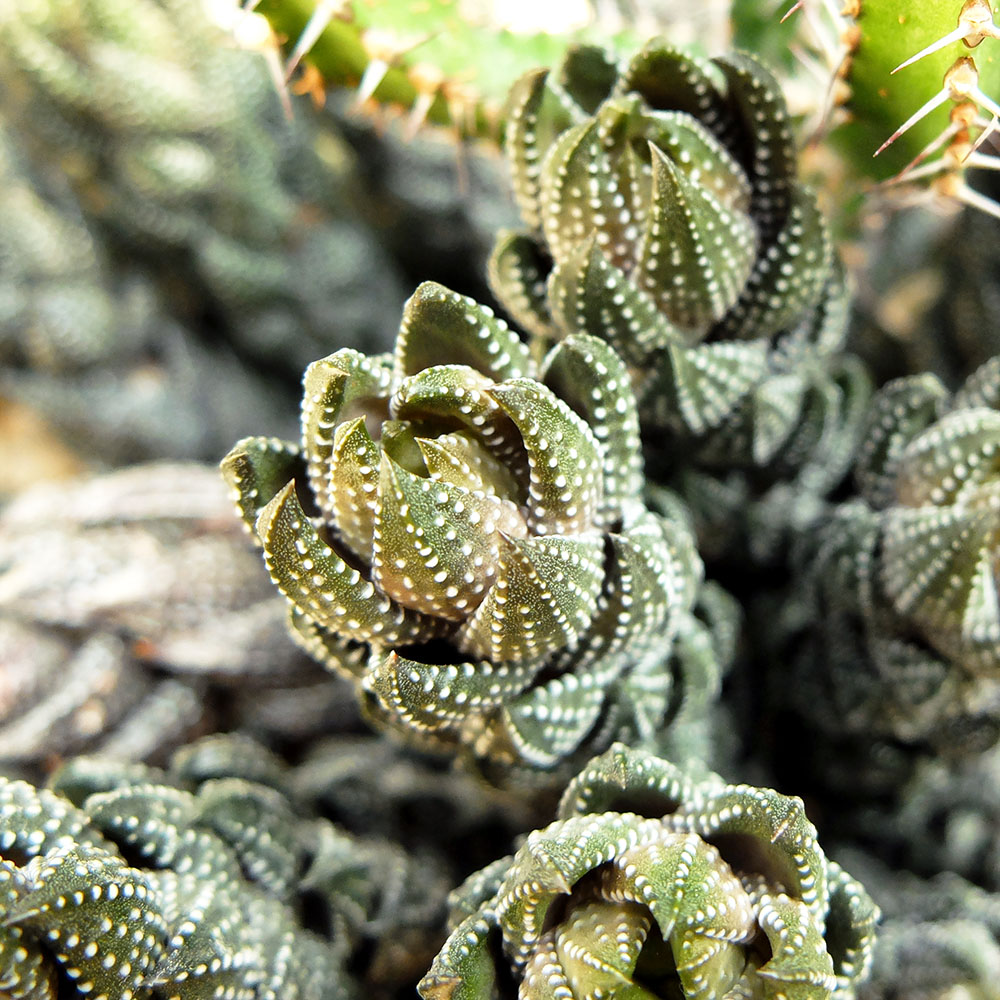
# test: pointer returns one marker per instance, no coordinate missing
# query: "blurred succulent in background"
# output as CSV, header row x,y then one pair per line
x,y
239,888
939,938
462,533
133,613
182,161
944,817
87,340
704,890
665,216
903,637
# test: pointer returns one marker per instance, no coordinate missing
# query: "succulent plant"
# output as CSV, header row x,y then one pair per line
x,y
938,937
179,155
659,881
461,532
125,881
665,216
906,637
89,341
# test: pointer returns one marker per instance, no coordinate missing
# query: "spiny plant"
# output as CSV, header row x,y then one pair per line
x,y
906,637
659,881
435,61
664,215
121,881
913,91
461,532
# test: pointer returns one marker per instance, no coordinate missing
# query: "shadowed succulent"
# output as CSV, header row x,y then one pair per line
x,y
132,882
461,532
905,579
665,216
939,938
657,882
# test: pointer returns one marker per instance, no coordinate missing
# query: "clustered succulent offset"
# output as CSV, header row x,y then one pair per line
x,y
129,882
905,578
655,882
462,531
665,216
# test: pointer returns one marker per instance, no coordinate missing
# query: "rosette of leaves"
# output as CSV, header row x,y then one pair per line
x,y
906,620
124,881
664,214
657,881
461,532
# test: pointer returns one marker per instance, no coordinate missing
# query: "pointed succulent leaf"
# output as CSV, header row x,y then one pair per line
x,y
552,719
696,255
518,265
336,652
590,377
899,412
34,820
430,696
708,382
671,79
544,599
458,397
98,915
939,563
800,965
256,469
335,389
25,974
588,294
952,460
461,459
441,327
536,115
981,388
257,823
437,545
564,458
157,822
772,155
464,969
320,584
786,280
352,486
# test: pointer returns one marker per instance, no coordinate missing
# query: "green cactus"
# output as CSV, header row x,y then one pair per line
x,y
905,578
435,60
709,890
665,216
461,533
913,87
